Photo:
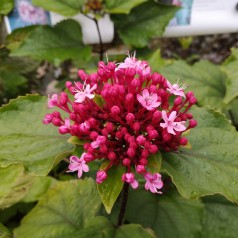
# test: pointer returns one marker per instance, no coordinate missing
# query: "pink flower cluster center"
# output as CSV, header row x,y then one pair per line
x,y
125,114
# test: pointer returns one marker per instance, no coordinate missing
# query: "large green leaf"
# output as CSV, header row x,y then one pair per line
x,y
63,7
65,209
14,184
169,215
230,67
220,218
206,80
58,43
6,6
24,139
69,210
211,165
144,22
110,189
121,6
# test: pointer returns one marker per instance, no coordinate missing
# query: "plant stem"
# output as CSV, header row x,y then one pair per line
x,y
123,204
100,40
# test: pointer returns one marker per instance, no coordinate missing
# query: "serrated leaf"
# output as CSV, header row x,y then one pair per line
x,y
26,140
6,6
230,67
165,213
154,163
121,6
14,185
110,189
64,210
211,166
144,22
63,7
58,43
205,79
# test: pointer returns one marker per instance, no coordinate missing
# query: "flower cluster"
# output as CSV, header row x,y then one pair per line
x,y
125,113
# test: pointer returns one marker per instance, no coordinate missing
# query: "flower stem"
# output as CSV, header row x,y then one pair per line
x,y
100,40
123,204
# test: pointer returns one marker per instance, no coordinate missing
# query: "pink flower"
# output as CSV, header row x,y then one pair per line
x,y
53,101
153,182
80,96
48,119
176,89
79,164
100,140
101,176
132,118
170,124
148,101
130,178
65,128
31,14
132,63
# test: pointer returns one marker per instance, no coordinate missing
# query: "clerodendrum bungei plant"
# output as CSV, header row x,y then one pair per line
x,y
124,113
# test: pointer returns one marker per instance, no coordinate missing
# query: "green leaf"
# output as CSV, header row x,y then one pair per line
x,y
69,210
18,64
144,22
63,211
63,7
110,189
154,163
25,139
39,186
133,230
230,67
12,83
98,99
17,37
232,111
75,140
4,232
58,43
6,6
220,219
211,166
121,6
156,61
169,215
14,185
205,79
